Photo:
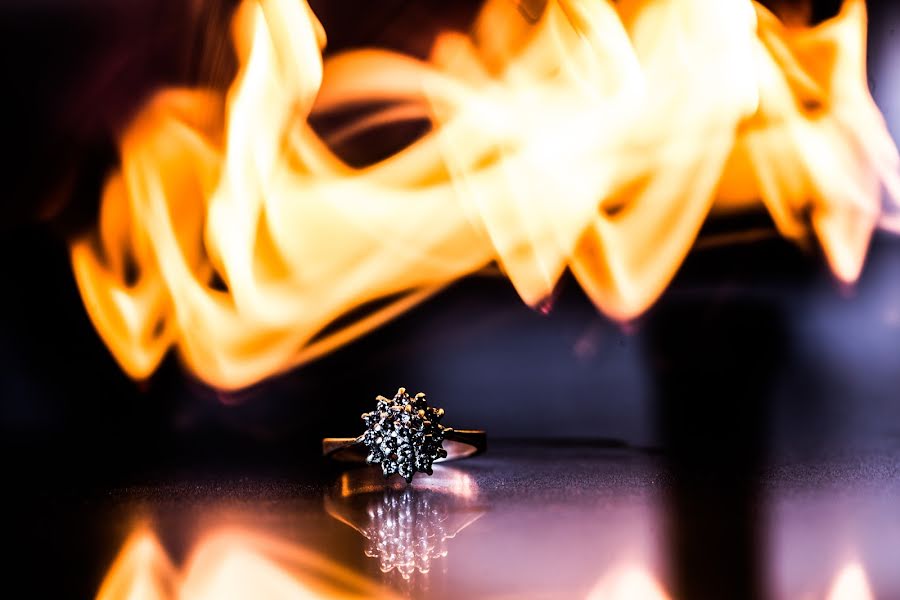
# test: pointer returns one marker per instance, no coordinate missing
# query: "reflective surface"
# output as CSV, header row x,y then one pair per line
x,y
525,521
752,452
757,403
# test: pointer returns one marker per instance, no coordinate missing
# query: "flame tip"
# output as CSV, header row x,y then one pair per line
x,y
578,105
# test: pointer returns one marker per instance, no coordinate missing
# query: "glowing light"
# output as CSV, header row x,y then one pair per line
x,y
627,582
596,138
230,563
141,571
851,584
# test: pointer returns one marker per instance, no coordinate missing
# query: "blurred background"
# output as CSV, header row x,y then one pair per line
x,y
822,360
753,359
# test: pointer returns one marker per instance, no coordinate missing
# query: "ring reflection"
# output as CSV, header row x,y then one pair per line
x,y
406,527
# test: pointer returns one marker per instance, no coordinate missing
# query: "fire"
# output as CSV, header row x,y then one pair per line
x,y
626,582
596,138
230,563
141,571
851,584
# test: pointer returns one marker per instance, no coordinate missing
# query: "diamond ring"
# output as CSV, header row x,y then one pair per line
x,y
405,436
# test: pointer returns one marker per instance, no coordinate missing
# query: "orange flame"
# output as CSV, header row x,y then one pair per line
x,y
141,571
230,563
597,138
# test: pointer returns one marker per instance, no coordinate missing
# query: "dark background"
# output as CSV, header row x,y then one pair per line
x,y
754,359
754,345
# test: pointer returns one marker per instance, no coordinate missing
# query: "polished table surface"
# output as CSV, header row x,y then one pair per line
x,y
759,458
527,520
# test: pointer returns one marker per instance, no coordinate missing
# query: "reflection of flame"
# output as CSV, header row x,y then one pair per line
x,y
851,584
597,139
230,564
141,571
405,527
627,582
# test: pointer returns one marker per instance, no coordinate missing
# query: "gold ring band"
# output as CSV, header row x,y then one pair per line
x,y
459,443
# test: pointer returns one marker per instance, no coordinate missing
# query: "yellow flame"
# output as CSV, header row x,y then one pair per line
x,y
141,571
596,138
230,563
851,584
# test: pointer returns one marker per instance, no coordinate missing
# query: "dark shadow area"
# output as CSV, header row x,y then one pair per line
x,y
714,374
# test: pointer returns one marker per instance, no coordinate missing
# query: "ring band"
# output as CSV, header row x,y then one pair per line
x,y
459,443
405,436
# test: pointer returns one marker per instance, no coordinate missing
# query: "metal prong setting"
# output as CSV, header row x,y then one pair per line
x,y
404,435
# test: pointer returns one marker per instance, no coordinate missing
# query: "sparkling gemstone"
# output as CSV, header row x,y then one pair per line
x,y
404,435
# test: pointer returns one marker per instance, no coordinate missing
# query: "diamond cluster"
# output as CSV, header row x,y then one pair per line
x,y
404,435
